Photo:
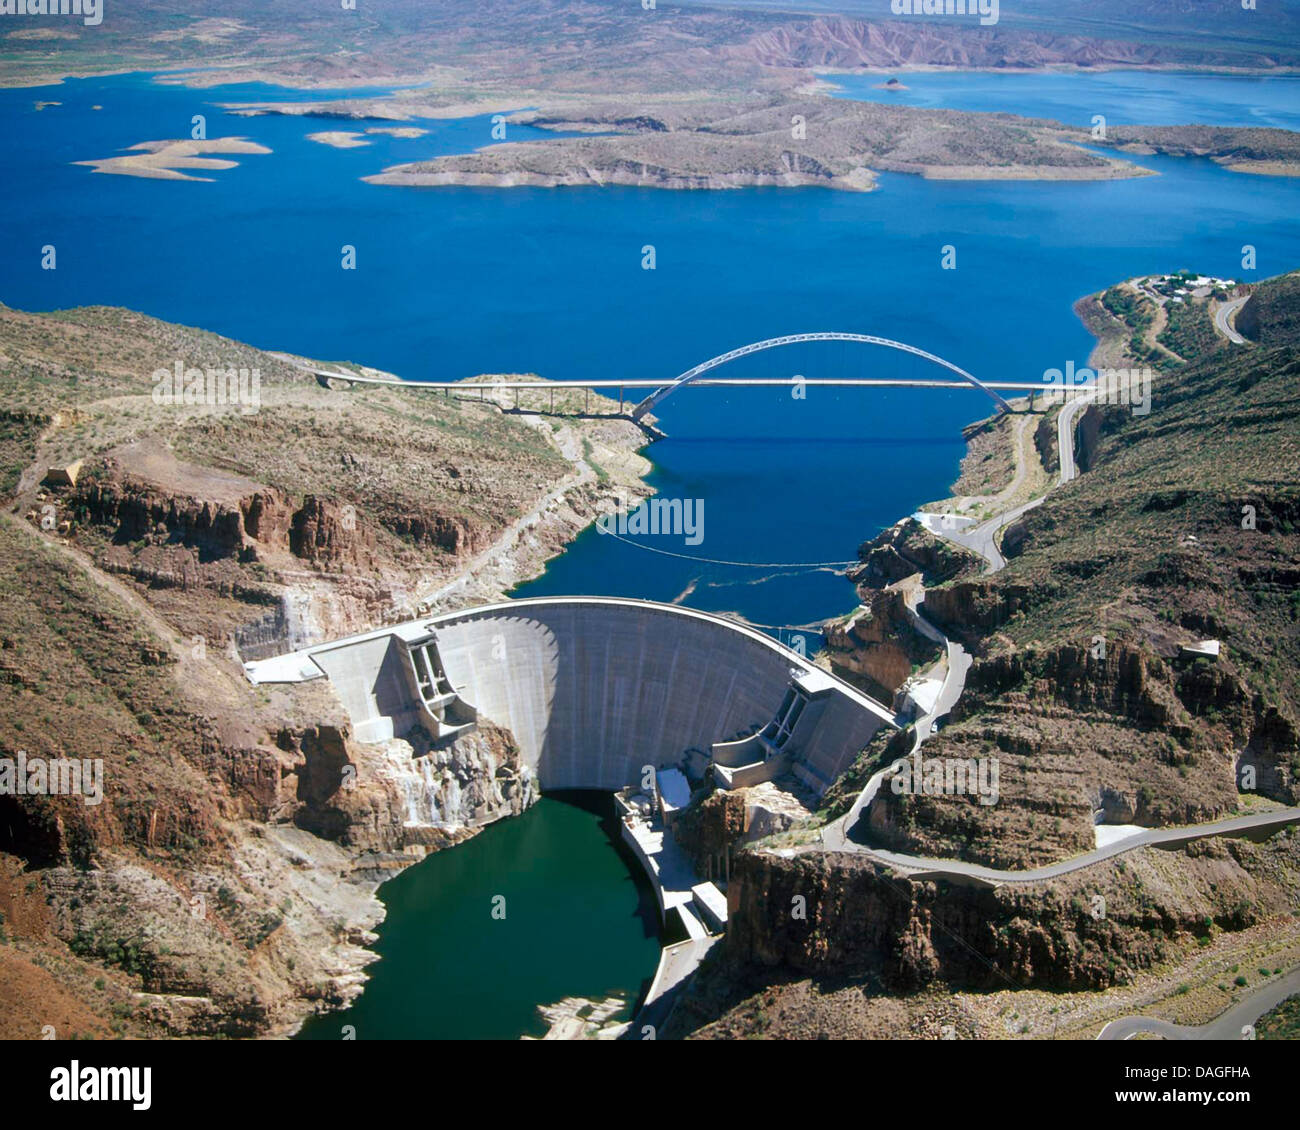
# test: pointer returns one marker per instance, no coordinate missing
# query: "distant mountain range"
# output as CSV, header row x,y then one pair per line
x,y
606,46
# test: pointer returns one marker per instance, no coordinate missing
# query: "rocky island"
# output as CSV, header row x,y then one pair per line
x,y
827,142
164,160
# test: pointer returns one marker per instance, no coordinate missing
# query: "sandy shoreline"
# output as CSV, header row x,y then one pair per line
x,y
1262,168
859,180
1120,170
380,108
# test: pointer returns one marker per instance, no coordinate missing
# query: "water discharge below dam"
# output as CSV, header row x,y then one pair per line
x,y
580,919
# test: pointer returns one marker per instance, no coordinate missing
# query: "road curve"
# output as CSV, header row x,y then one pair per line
x,y
983,539
835,835
1237,1023
1065,435
1225,319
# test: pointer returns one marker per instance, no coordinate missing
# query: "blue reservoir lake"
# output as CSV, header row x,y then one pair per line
x,y
453,282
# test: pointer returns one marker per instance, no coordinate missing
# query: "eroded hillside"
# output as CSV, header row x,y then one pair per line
x,y
600,46
222,880
1182,529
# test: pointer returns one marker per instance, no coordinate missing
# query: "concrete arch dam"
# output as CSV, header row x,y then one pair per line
x,y
594,689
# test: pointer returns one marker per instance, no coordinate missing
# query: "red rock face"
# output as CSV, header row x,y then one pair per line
x,y
327,532
714,826
178,534
881,645
320,531
139,511
980,605
855,918
447,532
268,516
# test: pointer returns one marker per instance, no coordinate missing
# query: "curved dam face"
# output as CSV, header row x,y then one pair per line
x,y
594,689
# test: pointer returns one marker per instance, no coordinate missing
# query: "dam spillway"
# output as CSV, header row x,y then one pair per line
x,y
593,689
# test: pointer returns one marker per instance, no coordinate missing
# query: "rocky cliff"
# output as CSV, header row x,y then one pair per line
x,y
222,882
906,548
877,645
825,942
827,913
1181,529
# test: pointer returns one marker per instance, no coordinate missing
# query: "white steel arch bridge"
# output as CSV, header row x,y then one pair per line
x,y
702,375
694,374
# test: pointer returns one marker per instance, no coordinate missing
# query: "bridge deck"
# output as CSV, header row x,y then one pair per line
x,y
712,382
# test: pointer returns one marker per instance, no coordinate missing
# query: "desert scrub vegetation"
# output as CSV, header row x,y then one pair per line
x,y
1190,330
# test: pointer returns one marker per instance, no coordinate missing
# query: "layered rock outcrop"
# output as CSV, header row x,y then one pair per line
x,y
834,915
317,531
879,643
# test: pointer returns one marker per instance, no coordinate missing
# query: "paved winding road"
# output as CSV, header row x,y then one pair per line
x,y
1065,435
983,539
1263,823
1236,1023
1225,316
